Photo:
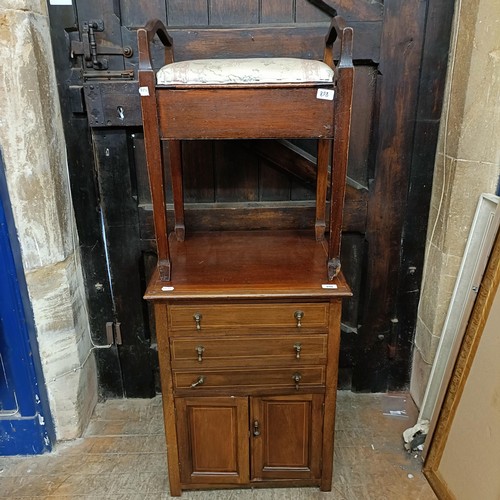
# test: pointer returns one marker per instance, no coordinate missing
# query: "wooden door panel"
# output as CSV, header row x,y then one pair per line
x,y
182,13
289,436
227,12
277,11
212,437
139,13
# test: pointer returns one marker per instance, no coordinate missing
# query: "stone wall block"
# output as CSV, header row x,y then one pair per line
x,y
458,76
32,140
34,151
36,6
479,137
471,179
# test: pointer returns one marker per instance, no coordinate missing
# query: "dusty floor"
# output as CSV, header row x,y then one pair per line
x,y
122,456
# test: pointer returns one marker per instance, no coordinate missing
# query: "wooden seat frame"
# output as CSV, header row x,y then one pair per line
x,y
251,111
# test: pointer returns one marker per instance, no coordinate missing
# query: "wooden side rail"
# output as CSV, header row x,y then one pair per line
x,y
145,36
344,73
152,141
344,77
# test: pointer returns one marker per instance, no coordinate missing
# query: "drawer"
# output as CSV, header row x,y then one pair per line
x,y
258,316
248,379
256,350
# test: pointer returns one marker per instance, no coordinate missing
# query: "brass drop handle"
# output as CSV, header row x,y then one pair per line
x,y
298,348
297,377
298,315
256,429
200,350
200,381
197,318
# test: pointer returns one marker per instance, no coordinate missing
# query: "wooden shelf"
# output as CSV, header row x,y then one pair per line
x,y
248,264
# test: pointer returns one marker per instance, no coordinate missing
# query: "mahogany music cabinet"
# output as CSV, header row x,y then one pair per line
x,y
248,322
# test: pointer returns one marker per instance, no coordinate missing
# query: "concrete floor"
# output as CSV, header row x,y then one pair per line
x,y
122,456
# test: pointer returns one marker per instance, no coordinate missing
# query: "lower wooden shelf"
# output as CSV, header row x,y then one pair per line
x,y
248,341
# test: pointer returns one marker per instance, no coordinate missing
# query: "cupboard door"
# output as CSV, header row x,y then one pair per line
x,y
213,440
287,436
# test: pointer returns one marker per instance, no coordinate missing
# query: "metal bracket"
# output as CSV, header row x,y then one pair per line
x,y
113,333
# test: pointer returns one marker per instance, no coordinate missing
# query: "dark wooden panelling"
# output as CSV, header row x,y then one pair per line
x,y
187,13
141,174
277,11
399,67
432,80
236,173
244,216
111,149
360,10
227,12
362,123
139,13
198,168
308,13
305,41
273,184
353,255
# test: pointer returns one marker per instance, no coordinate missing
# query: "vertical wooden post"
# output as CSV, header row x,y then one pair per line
x,y
340,151
324,147
152,140
175,155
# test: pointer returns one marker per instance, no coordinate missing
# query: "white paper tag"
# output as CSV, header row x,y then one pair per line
x,y
167,288
329,286
60,2
144,91
325,94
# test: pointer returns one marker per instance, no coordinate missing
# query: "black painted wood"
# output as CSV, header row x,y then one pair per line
x,y
119,206
85,202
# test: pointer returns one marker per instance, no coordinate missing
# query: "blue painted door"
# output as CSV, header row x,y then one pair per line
x,y
7,392
25,424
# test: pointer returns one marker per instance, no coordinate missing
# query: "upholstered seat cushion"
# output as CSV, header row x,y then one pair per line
x,y
241,71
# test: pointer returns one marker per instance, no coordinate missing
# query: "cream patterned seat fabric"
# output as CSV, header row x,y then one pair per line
x,y
241,71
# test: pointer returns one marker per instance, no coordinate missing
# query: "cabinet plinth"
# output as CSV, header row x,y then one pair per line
x,y
248,362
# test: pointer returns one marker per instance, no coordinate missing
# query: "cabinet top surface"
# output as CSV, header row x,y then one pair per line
x,y
248,265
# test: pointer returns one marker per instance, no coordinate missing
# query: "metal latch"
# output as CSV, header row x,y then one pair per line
x,y
89,49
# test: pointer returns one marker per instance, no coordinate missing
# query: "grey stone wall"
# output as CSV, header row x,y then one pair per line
x,y
467,164
33,146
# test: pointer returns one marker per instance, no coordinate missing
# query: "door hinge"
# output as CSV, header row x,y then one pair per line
x,y
113,333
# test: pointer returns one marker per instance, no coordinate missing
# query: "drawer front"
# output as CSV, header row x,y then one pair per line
x,y
294,317
258,350
275,378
